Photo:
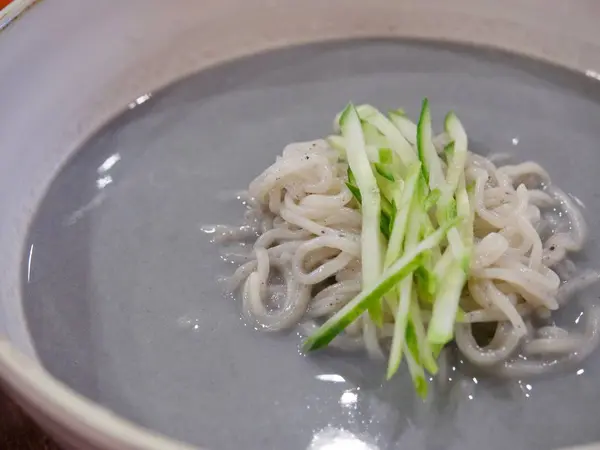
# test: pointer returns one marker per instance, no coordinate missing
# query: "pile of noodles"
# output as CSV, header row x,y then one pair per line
x,y
304,228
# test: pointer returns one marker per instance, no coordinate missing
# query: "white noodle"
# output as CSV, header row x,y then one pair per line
x,y
306,227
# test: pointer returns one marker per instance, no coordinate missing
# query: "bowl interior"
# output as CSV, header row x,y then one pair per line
x,y
120,283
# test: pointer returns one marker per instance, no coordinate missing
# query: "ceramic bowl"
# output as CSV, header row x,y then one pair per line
x,y
126,124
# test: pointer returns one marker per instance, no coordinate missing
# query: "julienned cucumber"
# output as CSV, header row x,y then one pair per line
x,y
417,231
431,163
353,309
441,327
397,142
405,290
406,126
403,204
360,166
458,158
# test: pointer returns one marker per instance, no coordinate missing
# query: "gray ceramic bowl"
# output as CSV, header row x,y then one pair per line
x,y
114,331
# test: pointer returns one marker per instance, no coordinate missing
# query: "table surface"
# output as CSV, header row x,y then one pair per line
x,y
18,432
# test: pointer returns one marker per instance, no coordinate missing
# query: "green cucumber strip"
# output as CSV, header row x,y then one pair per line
x,y
463,204
351,178
406,126
391,227
373,294
396,141
398,111
456,157
425,351
372,153
405,289
446,209
337,143
429,260
428,228
442,264
458,249
427,282
431,199
436,254
384,171
440,142
437,349
387,208
417,374
372,135
463,208
386,156
456,164
386,220
422,287
449,151
427,225
451,211
431,164
385,225
422,186
366,182
412,343
376,310
355,191
386,205
413,232
400,322
391,300
356,307
387,188
471,187
445,307
403,203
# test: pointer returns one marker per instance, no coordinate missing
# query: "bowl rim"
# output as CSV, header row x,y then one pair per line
x,y
29,380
